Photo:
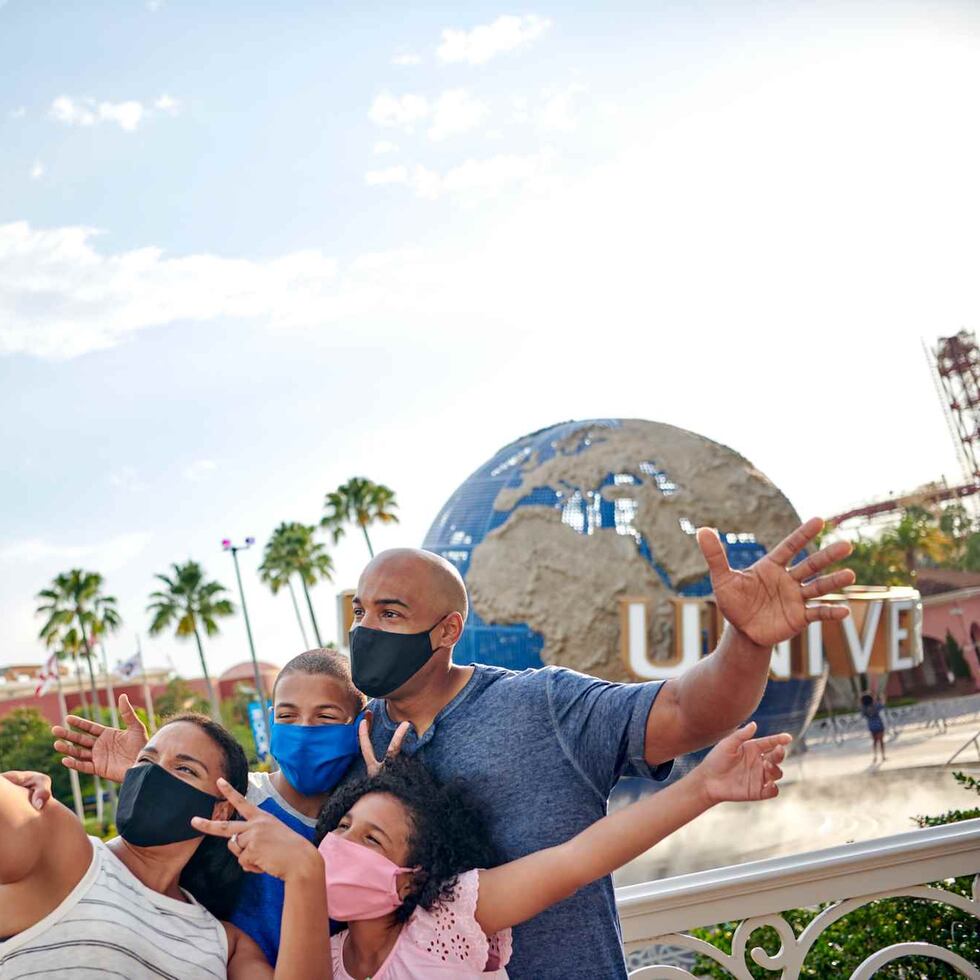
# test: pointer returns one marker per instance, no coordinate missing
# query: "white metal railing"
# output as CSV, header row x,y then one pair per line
x,y
834,729
658,913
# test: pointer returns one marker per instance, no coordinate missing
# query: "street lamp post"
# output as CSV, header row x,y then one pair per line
x,y
234,549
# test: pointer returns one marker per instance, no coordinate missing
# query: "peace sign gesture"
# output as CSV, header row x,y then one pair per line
x,y
770,602
367,749
260,841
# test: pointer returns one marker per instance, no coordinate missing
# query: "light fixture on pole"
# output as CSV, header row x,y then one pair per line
x,y
234,549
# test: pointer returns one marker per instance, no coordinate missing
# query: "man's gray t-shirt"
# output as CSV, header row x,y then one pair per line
x,y
541,750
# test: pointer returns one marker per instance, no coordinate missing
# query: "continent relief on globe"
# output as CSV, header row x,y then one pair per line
x,y
535,569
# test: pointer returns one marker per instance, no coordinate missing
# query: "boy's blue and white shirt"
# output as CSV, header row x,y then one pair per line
x,y
259,909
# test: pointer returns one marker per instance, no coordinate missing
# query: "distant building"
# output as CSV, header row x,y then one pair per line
x,y
950,610
19,681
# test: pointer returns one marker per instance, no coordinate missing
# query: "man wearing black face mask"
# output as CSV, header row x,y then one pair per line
x,y
542,749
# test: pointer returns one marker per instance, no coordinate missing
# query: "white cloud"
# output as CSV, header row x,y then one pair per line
x,y
560,109
37,171
199,470
709,220
389,175
456,111
127,479
67,110
491,174
87,112
106,556
479,45
384,146
168,104
398,112
60,296
407,59
470,180
126,114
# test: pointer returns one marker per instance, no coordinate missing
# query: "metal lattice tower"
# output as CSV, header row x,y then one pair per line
x,y
957,365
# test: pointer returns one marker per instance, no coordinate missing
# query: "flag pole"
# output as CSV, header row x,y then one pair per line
x,y
110,690
147,696
76,787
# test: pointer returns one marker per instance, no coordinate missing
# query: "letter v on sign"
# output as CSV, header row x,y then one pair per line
x,y
860,649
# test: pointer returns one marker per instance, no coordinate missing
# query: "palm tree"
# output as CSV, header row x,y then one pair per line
x,y
915,536
276,571
292,549
361,502
74,607
75,600
194,604
106,620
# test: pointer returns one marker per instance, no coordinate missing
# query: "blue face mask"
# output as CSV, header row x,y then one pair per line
x,y
314,758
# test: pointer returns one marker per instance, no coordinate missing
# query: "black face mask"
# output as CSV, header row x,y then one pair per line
x,y
156,807
381,662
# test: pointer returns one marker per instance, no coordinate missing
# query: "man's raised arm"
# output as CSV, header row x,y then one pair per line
x,y
763,605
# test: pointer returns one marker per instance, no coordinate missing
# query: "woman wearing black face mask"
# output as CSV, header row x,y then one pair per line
x,y
145,904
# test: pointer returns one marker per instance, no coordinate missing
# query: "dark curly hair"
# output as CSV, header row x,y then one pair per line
x,y
447,836
213,875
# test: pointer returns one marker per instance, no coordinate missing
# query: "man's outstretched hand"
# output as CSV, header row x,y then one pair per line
x,y
771,601
99,750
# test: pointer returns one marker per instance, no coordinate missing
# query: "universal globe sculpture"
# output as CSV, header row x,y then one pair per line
x,y
560,524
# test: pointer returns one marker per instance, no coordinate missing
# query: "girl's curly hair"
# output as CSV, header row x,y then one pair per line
x,y
447,833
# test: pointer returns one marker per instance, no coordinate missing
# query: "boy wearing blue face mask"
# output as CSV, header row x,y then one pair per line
x,y
316,721
315,715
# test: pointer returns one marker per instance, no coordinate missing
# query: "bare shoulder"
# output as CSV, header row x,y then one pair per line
x,y
246,961
65,838
53,860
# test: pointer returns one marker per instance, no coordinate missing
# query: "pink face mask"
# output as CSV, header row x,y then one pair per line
x,y
360,881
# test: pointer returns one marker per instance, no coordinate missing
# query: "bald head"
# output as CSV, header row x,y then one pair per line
x,y
420,584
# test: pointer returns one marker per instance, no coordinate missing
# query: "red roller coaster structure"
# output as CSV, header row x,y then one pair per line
x,y
954,364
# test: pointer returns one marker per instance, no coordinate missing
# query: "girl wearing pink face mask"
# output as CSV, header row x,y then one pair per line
x,y
409,866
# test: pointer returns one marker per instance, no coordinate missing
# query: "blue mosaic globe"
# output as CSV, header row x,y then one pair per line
x,y
558,526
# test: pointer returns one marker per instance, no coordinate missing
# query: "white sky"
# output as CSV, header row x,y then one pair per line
x,y
397,251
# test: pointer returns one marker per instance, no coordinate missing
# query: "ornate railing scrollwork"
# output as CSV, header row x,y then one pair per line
x,y
809,880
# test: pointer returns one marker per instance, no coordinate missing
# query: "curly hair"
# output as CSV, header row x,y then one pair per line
x,y
447,832
213,875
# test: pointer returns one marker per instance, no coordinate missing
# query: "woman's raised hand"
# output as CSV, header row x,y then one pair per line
x,y
371,762
99,750
741,767
260,841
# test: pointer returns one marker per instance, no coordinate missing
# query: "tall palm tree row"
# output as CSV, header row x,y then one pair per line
x,y
362,502
293,550
192,604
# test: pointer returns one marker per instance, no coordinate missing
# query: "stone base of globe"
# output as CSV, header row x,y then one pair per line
x,y
560,524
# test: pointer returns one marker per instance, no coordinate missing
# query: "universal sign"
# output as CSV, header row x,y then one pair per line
x,y
883,633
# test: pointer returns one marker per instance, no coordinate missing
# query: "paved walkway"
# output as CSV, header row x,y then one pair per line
x,y
829,795
909,750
